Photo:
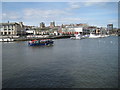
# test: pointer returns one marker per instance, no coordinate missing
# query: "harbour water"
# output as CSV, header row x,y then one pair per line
x,y
86,63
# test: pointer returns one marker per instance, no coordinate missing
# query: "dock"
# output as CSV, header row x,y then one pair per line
x,y
31,38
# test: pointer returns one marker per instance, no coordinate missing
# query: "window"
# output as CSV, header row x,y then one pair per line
x,y
9,33
5,33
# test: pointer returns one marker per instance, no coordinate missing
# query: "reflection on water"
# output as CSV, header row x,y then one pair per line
x,y
87,63
36,47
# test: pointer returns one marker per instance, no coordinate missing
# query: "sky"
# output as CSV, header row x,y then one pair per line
x,y
32,13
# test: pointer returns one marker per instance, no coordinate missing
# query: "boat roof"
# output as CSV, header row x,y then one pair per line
x,y
34,40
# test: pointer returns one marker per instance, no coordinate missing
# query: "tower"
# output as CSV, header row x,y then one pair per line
x,y
52,24
42,25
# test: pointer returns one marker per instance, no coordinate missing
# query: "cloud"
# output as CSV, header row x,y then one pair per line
x,y
73,5
11,16
61,0
113,21
44,13
35,14
75,20
38,15
72,19
101,0
78,5
87,4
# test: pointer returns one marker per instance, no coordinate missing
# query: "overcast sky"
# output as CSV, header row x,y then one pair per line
x,y
32,13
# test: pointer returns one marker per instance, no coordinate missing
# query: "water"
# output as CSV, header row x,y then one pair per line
x,y
86,63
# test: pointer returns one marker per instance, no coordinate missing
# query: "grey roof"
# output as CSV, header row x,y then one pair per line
x,y
9,23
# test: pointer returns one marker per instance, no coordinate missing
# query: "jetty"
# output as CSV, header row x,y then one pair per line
x,y
28,38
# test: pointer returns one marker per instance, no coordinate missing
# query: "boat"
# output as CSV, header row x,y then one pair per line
x,y
107,35
84,36
103,36
6,40
77,37
94,36
43,42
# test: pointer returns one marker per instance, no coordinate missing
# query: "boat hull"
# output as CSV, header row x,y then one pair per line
x,y
41,44
74,38
77,37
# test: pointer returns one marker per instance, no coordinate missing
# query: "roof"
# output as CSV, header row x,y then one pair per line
x,y
34,40
9,23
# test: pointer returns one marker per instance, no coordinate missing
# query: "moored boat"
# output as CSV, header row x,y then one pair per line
x,y
6,40
77,37
97,36
84,36
94,36
43,42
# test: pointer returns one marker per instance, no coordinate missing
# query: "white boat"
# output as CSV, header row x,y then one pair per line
x,y
107,35
77,37
102,36
85,36
94,36
6,40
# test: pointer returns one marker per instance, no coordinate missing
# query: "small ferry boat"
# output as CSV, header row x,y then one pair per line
x,y
41,42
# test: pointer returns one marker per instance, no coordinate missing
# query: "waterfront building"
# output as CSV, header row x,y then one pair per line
x,y
110,28
72,30
13,28
42,25
92,29
86,30
115,31
30,32
103,31
98,31
28,27
55,32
